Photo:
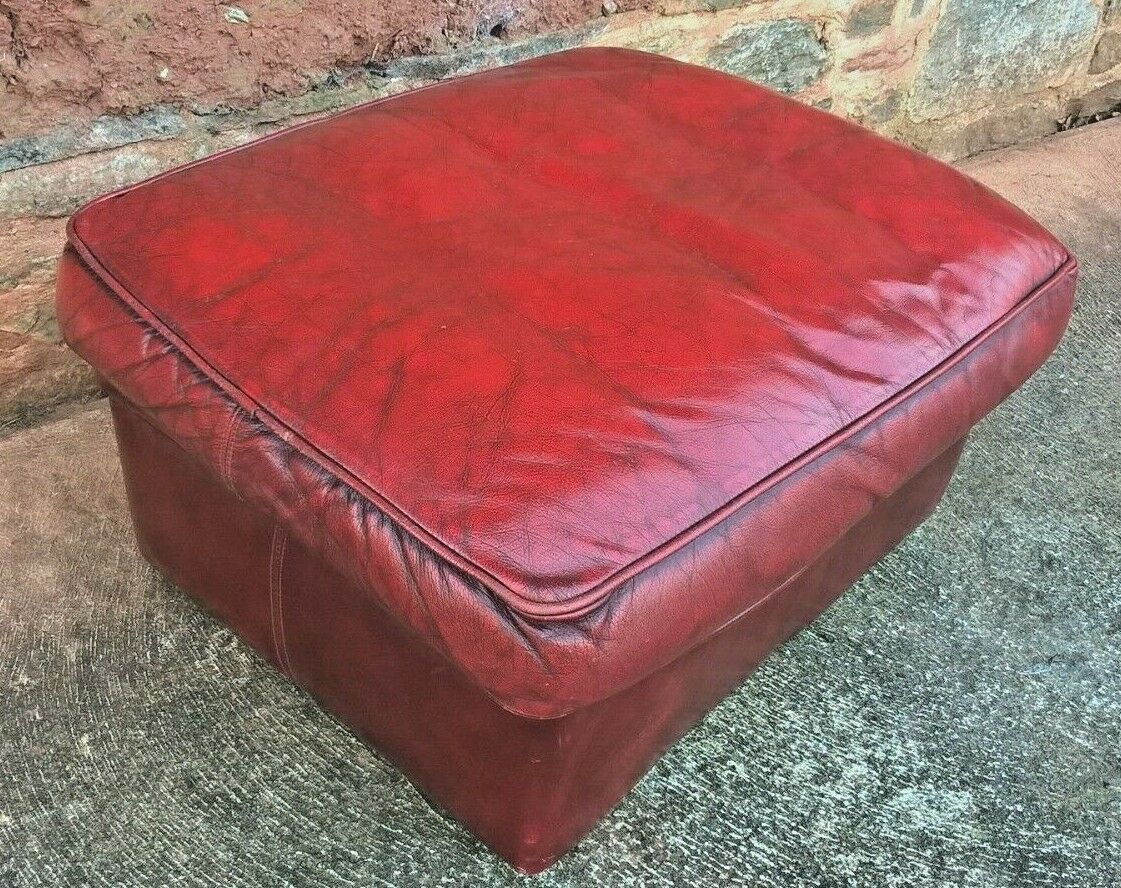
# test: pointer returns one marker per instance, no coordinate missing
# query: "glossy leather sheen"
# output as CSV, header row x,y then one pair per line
x,y
568,364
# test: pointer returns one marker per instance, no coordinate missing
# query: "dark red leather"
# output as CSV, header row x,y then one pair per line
x,y
565,365
529,788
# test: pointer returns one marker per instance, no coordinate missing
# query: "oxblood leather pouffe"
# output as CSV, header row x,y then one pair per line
x,y
518,417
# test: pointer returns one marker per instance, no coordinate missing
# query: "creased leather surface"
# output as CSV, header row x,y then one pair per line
x,y
580,357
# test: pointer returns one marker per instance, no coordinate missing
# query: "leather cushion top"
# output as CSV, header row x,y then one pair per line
x,y
556,319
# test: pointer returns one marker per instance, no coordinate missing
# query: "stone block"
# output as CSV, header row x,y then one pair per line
x,y
107,131
982,50
787,55
1107,54
870,18
36,375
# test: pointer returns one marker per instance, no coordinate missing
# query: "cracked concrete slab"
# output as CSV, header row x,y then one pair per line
x,y
954,720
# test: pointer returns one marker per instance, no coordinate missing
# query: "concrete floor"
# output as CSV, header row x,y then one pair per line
x,y
954,720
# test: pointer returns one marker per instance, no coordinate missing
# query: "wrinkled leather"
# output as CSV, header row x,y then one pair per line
x,y
569,363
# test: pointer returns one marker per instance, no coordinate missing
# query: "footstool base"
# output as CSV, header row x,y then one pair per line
x,y
529,788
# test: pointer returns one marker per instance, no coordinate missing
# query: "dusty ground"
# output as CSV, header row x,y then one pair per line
x,y
955,720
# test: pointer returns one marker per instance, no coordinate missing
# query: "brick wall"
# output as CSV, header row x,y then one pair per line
x,y
99,93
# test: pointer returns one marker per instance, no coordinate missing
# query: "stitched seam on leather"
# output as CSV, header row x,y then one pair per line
x,y
227,449
272,593
588,599
514,707
280,602
276,617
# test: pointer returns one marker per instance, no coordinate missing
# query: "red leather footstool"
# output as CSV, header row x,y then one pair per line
x,y
518,417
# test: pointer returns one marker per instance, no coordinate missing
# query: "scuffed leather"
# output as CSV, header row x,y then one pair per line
x,y
567,363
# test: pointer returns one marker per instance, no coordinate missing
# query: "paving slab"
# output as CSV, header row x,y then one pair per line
x,y
954,720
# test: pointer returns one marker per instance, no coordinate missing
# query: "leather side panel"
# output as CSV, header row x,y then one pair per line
x,y
529,788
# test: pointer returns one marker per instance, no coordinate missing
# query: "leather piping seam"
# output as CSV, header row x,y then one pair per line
x,y
716,517
584,601
588,599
